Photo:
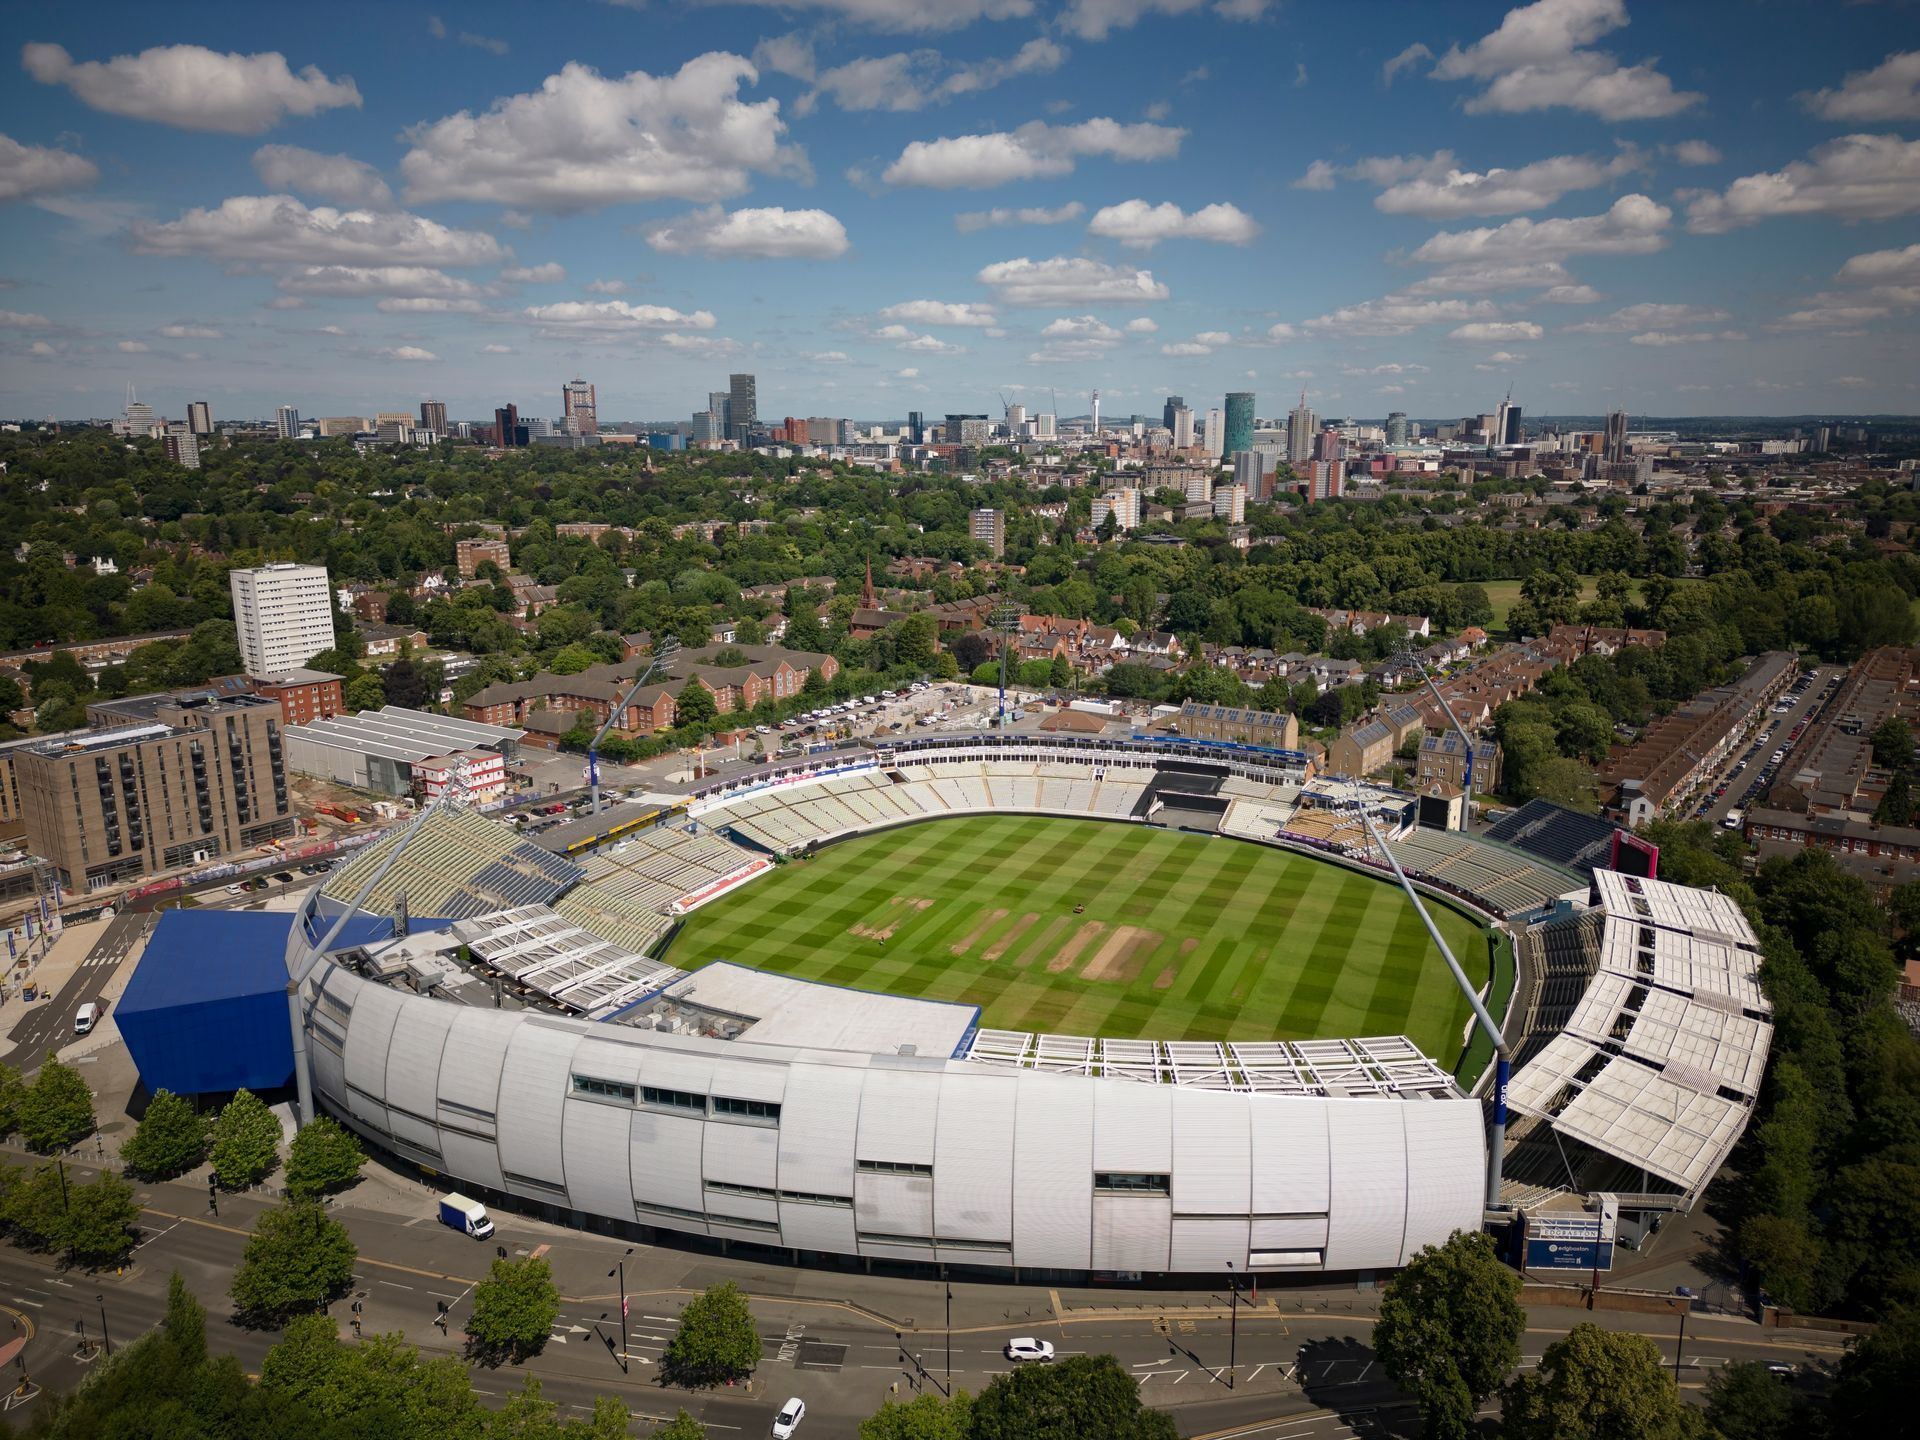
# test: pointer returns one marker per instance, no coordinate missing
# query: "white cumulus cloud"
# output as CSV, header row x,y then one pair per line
x,y
1141,325
1399,314
1857,177
193,88
545,274
583,140
353,281
1496,332
1035,151
1662,338
940,312
1695,152
1634,225
279,227
190,332
22,320
1069,280
407,352
766,232
901,15
131,347
1539,58
339,178
36,170
1096,19
1650,316
1141,226
1437,188
616,315
1889,91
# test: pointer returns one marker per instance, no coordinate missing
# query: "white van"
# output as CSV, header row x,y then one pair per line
x,y
85,1018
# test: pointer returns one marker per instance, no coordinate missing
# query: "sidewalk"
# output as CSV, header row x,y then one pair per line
x,y
50,972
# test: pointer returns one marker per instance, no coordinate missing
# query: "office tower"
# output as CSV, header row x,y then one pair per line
x,y
1251,472
1511,436
916,427
743,408
206,777
967,429
707,426
1174,402
1324,479
1497,435
433,417
332,425
536,425
1216,436
506,426
989,527
394,429
283,614
1238,432
182,446
1045,427
138,420
577,405
719,405
1327,446
1822,439
1182,428
1302,425
1397,428
199,418
289,422
1016,420
1616,441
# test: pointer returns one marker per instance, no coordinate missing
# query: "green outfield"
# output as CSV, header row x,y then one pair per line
x,y
1182,937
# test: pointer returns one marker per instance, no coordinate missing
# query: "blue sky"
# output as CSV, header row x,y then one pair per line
x,y
884,205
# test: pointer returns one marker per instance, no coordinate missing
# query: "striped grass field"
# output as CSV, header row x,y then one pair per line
x,y
1183,937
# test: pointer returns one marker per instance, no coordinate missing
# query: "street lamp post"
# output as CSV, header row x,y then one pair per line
x,y
1233,1325
620,1269
105,1339
949,1284
1680,1344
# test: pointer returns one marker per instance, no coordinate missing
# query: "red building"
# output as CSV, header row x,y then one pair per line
x,y
304,695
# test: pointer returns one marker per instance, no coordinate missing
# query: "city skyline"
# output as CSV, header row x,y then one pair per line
x,y
891,205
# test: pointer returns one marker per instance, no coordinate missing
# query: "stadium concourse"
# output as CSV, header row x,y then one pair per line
x,y
540,1054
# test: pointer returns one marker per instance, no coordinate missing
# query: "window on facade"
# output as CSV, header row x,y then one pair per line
x,y
895,1167
746,1109
673,1099
1121,1182
606,1089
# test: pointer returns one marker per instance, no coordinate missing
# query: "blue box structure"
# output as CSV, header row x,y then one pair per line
x,y
206,1009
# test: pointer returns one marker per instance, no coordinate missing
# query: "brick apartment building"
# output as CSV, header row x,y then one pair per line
x,y
469,555
206,778
1273,729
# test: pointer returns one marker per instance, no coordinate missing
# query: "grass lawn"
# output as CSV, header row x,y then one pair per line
x,y
1505,594
1183,937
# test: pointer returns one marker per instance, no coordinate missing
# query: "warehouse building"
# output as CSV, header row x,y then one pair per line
x,y
397,751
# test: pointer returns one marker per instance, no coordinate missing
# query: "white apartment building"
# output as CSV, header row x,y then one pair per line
x,y
1216,433
284,616
1123,505
1230,503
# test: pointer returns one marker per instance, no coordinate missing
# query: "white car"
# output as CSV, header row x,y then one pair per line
x,y
789,1418
1027,1348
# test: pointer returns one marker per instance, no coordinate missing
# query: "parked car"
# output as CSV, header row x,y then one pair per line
x,y
789,1418
1027,1348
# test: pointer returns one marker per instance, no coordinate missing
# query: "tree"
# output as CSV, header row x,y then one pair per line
x,y
1746,1401
1893,744
185,1322
324,1156
1449,1330
246,1141
514,1309
297,1259
694,705
99,1218
1878,1391
56,1110
13,1090
364,692
1084,1397
1598,1385
171,1138
926,1417
682,1427
716,1340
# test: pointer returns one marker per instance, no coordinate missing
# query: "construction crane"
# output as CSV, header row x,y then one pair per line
x,y
661,656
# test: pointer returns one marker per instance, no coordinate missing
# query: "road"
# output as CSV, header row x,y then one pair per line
x,y
48,1024
1302,1366
1746,788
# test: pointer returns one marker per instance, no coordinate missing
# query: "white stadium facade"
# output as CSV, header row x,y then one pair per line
x,y
874,1137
